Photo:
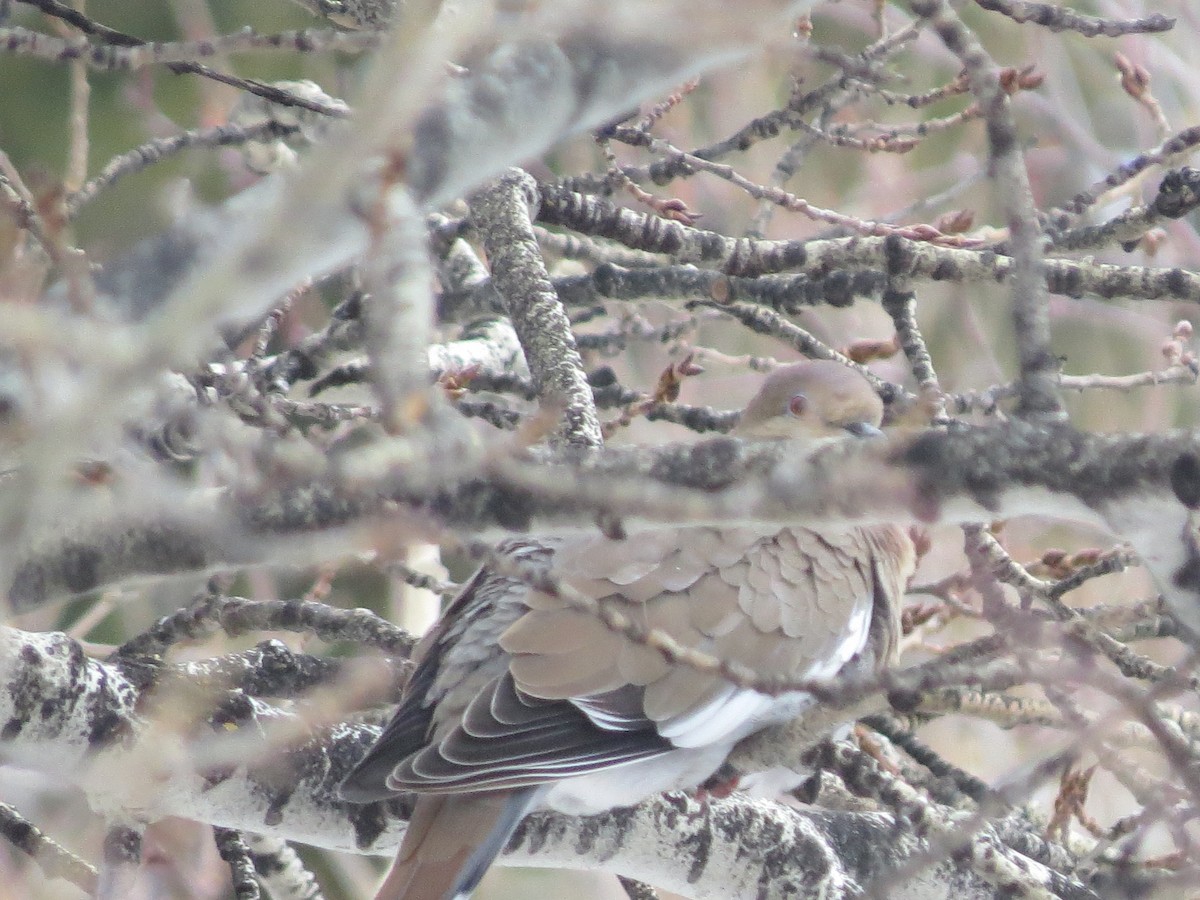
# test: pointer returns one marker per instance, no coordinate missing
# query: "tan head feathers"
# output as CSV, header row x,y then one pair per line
x,y
815,399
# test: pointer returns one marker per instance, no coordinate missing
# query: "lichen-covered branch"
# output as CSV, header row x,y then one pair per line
x,y
502,214
397,341
241,764
1037,392
1141,487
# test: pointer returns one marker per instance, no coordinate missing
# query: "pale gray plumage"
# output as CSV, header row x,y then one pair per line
x,y
520,701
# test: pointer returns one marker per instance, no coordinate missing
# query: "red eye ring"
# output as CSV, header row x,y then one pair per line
x,y
797,405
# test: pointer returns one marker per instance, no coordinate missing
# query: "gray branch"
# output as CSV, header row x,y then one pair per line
x,y
1037,388
502,215
248,766
1141,487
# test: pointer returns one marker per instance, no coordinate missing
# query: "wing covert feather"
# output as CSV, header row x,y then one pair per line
x,y
780,601
576,697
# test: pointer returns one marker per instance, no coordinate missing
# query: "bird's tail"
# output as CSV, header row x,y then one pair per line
x,y
451,841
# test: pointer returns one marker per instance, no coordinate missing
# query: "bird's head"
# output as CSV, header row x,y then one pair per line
x,y
812,400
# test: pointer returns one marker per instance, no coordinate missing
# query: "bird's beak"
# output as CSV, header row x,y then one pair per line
x,y
863,430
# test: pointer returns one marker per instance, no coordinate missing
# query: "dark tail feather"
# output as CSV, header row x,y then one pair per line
x,y
518,805
451,841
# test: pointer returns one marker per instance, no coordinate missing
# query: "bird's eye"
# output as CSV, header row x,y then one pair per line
x,y
797,405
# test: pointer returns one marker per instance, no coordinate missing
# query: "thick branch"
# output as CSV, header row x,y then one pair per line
x,y
249,766
1139,486
502,214
917,261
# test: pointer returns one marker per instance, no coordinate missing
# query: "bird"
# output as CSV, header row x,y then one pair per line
x,y
520,701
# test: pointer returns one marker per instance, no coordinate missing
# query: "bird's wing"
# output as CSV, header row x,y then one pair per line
x,y
577,697
456,659
793,602
508,739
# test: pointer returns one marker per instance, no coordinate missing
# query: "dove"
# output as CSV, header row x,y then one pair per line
x,y
521,702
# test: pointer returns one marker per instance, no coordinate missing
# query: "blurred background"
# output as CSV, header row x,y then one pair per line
x,y
1078,125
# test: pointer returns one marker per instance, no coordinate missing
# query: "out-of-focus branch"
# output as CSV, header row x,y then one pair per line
x,y
68,714
1139,486
533,79
1058,18
398,309
281,870
54,859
